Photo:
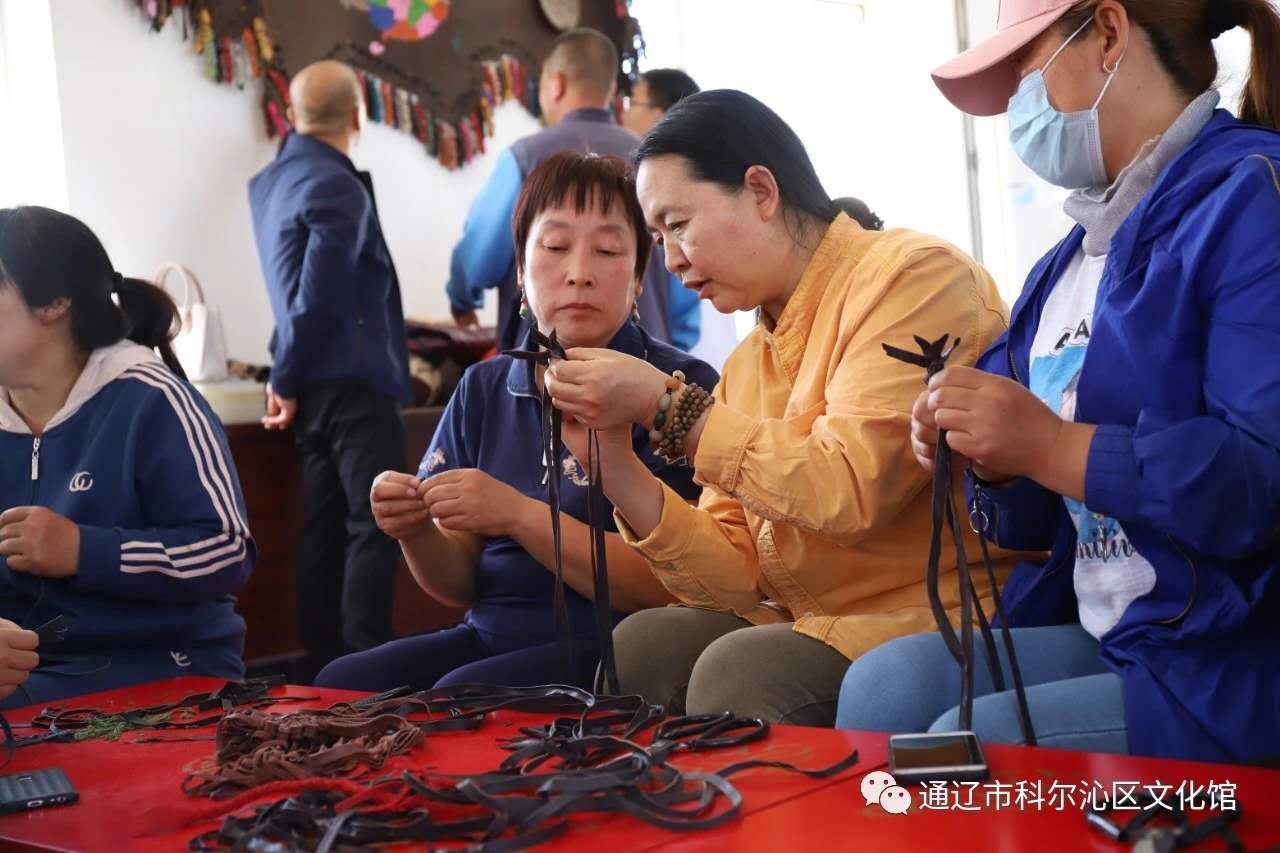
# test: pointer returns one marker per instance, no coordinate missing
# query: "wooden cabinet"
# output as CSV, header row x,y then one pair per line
x,y
268,465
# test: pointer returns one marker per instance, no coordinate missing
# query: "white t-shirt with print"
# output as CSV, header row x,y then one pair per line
x,y
1109,572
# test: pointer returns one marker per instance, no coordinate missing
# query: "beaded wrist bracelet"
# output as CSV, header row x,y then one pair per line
x,y
660,420
670,437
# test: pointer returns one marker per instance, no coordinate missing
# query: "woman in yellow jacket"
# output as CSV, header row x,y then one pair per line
x,y
809,544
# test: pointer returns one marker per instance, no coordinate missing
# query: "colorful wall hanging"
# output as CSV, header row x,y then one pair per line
x,y
434,69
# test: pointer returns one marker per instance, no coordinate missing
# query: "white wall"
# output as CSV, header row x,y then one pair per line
x,y
31,162
850,78
157,159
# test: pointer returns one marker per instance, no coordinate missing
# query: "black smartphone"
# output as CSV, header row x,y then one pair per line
x,y
937,757
36,789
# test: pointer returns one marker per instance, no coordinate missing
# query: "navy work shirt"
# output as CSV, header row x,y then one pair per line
x,y
493,423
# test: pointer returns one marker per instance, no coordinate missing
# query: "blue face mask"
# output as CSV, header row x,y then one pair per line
x,y
1063,148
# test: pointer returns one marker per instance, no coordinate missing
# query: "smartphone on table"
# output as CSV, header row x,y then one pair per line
x,y
36,789
937,757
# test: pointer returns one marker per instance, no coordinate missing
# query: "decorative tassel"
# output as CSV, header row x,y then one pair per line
x,y
282,85
227,65
492,86
277,119
251,51
504,79
164,9
251,54
377,98
204,32
415,120
522,77
243,65
421,130
464,138
265,50
404,111
478,124
510,70
371,99
448,150
211,64
388,104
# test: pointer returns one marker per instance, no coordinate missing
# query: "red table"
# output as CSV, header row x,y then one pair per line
x,y
130,792
838,811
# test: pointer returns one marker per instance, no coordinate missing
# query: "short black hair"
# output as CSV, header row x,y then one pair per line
x,y
590,180
587,57
667,86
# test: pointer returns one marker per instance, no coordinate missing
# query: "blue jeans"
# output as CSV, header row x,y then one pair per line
x,y
912,684
460,655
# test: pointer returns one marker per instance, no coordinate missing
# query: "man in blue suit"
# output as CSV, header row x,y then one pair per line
x,y
340,367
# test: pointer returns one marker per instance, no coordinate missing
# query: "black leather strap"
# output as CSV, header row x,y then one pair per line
x,y
1147,811
73,723
933,357
572,765
544,349
54,631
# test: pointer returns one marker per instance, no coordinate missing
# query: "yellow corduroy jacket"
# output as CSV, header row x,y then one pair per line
x,y
814,510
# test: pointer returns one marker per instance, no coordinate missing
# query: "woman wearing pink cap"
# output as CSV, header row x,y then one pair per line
x,y
1130,418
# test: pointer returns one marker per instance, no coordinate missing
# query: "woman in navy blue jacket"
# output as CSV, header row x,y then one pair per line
x,y
120,508
473,524
1129,422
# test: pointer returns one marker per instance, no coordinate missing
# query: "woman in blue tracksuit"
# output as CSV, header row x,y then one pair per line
x,y
1129,422
120,508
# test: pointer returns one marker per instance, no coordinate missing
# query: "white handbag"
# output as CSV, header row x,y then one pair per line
x,y
200,345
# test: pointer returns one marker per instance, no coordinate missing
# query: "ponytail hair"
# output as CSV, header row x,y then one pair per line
x,y
1260,103
857,210
151,317
1182,33
49,256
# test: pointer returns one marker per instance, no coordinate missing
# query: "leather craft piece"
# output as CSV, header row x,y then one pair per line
x,y
590,762
933,357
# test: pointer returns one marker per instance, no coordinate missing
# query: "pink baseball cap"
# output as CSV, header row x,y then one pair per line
x,y
981,80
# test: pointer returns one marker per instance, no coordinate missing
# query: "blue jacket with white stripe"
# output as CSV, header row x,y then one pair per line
x,y
1182,381
139,461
